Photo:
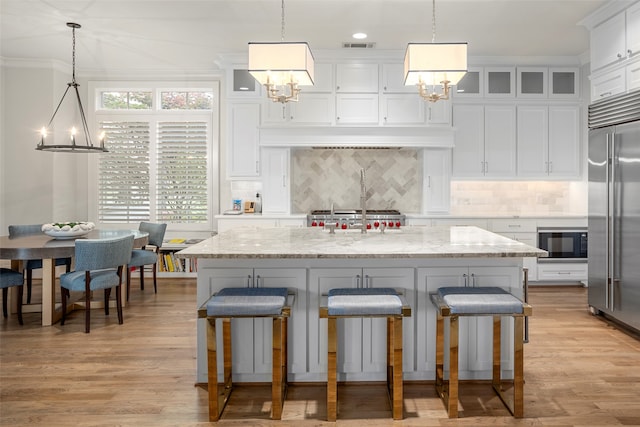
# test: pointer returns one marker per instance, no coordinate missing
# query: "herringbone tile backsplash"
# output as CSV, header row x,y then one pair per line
x,y
325,176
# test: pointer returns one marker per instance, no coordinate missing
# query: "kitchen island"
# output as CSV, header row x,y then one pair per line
x,y
310,261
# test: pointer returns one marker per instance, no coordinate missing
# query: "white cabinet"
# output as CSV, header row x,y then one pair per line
x,y
548,141
608,44
520,230
532,82
616,39
475,332
633,75
438,113
608,84
393,79
399,109
468,153
356,108
564,141
549,271
244,120
323,79
361,341
471,85
252,338
356,78
311,109
564,82
436,180
615,48
275,181
485,140
500,82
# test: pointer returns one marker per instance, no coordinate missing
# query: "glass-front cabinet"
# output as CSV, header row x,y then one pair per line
x,y
564,82
532,82
471,85
500,82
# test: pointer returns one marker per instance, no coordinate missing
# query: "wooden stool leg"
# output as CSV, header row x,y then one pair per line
x,y
389,357
397,368
440,355
212,367
518,369
228,356
452,400
276,370
332,362
497,356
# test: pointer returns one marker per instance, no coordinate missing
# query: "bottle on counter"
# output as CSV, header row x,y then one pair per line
x,y
258,204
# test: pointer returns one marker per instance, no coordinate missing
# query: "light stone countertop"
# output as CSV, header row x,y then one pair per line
x,y
312,242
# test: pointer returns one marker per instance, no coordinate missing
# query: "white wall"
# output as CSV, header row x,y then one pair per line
x,y
37,186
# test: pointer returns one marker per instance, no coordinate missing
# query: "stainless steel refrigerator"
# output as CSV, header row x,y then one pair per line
x,y
614,208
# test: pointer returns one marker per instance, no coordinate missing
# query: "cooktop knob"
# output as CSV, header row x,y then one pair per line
x,y
398,224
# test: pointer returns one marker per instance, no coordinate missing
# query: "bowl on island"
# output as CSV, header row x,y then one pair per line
x,y
67,230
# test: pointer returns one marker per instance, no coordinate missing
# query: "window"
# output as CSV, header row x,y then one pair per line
x,y
159,167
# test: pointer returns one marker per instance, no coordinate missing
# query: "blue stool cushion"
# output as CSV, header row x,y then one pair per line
x,y
247,302
364,302
481,300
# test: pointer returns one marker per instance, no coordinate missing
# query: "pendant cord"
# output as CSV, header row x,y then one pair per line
x,y
73,55
282,29
433,22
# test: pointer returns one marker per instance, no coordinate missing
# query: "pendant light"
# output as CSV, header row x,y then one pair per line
x,y
281,67
76,133
430,65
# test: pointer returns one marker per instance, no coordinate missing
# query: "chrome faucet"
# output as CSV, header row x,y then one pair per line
x,y
363,201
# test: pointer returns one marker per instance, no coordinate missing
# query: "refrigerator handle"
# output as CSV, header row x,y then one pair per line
x,y
612,219
607,240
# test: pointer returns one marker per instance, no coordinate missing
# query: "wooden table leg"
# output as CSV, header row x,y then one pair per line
x,y
452,401
49,314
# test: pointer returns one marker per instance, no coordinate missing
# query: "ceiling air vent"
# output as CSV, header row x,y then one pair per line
x,y
358,45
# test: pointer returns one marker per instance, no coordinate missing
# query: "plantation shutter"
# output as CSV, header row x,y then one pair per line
x,y
181,172
123,187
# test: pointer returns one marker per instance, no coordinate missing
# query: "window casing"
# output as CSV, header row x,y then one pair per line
x,y
162,162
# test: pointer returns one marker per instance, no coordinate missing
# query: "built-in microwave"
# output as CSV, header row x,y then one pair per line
x,y
563,245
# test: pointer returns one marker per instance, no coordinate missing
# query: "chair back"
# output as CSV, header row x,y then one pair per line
x,y
156,232
24,230
98,254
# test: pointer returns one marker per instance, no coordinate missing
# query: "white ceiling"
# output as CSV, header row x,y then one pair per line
x,y
191,34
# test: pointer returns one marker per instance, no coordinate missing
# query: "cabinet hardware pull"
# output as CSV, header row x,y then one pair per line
x,y
605,94
257,170
619,55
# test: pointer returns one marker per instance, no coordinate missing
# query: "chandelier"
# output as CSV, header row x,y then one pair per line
x,y
431,65
74,137
281,67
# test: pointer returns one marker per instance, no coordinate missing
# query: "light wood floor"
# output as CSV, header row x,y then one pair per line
x,y
579,371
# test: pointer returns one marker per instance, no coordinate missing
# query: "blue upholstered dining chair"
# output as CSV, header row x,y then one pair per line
x,y
34,264
99,264
8,279
144,256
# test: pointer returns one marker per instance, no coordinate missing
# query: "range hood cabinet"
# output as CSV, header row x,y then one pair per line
x,y
357,137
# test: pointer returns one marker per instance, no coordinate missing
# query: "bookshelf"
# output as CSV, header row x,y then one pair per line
x,y
171,266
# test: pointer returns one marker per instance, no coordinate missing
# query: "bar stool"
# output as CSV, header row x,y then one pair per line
x,y
367,302
247,303
453,302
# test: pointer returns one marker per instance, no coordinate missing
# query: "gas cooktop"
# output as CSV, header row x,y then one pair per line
x,y
345,218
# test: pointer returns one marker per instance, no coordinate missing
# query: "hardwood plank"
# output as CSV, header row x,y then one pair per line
x,y
578,369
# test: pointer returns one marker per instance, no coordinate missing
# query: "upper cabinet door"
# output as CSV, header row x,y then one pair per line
x,y
564,82
633,30
323,79
608,42
500,82
357,78
532,82
471,85
393,79
500,140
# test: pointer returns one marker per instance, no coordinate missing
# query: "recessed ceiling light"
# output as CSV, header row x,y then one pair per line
x,y
359,36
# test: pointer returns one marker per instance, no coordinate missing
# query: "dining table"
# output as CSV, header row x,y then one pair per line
x,y
41,246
